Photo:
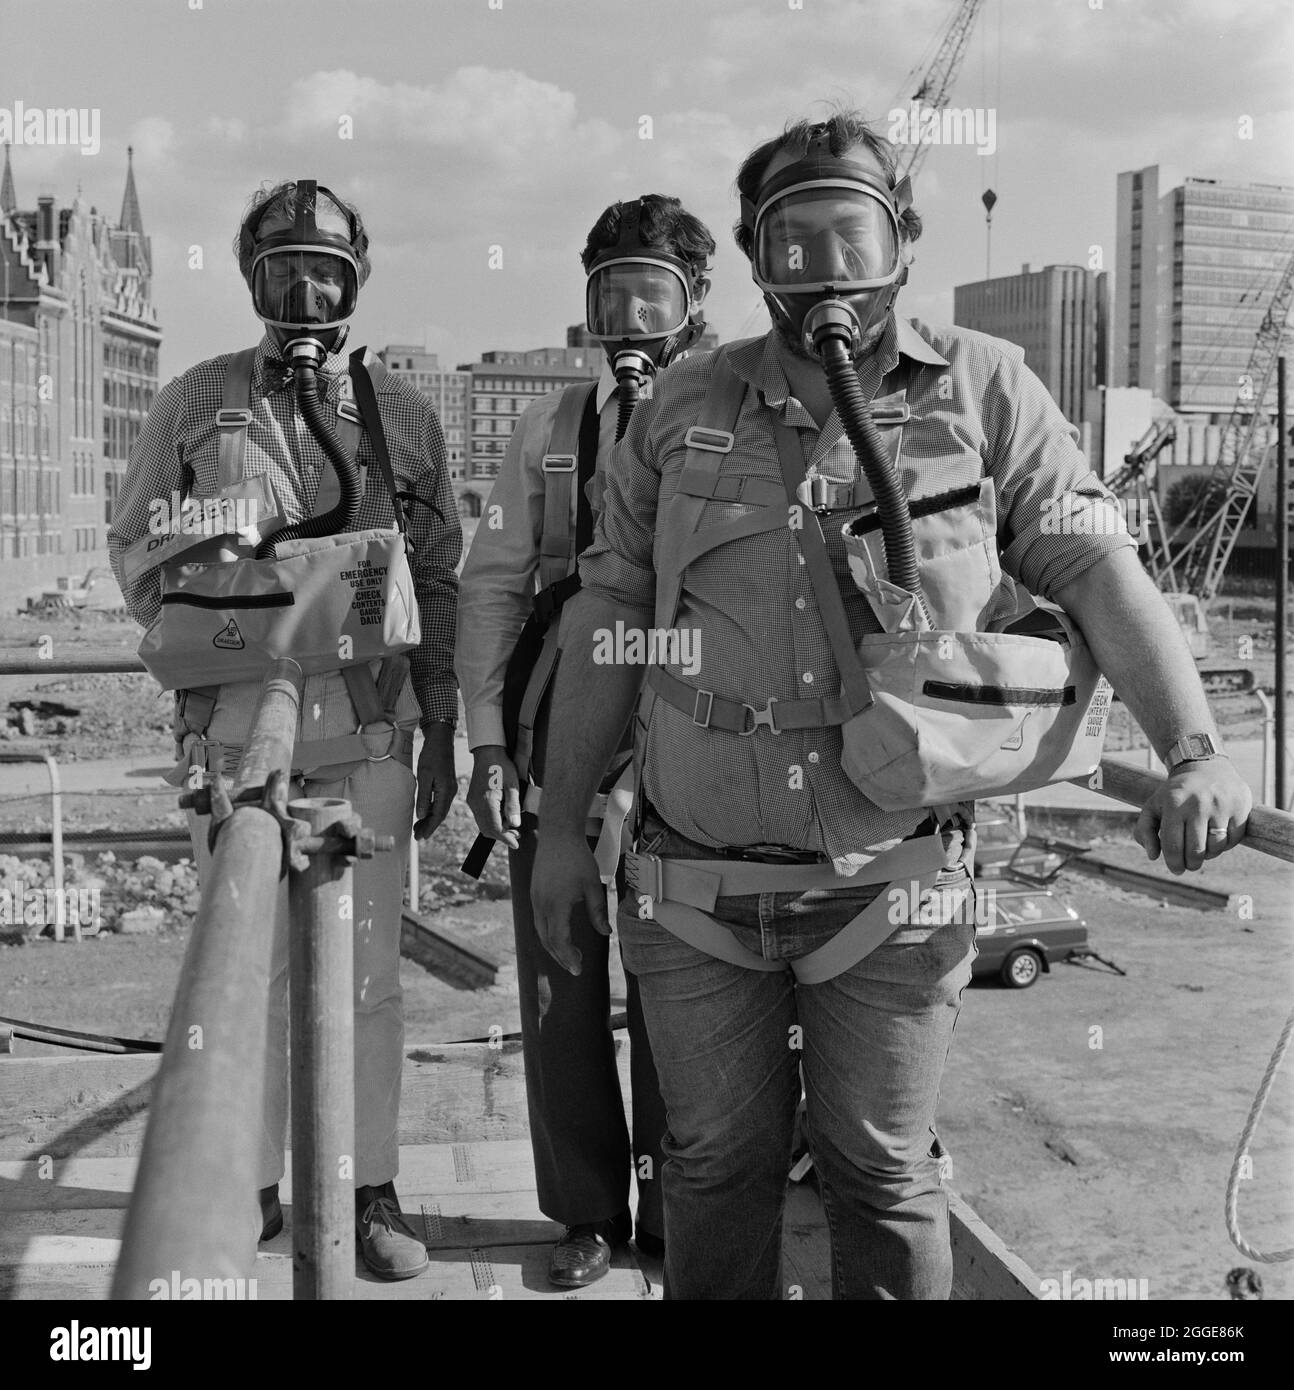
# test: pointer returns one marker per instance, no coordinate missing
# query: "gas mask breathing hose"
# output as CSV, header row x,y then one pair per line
x,y
342,516
831,341
627,395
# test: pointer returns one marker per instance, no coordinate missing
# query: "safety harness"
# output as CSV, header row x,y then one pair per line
x,y
680,894
378,737
569,463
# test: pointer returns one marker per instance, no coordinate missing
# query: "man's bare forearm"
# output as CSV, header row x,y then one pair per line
x,y
1140,648
592,703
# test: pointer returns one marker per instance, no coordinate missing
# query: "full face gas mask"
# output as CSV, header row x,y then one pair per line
x,y
826,244
305,284
639,305
305,281
826,251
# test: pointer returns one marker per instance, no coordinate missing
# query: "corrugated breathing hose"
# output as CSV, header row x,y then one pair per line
x,y
342,517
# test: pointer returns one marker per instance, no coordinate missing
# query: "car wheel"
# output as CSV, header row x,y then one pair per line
x,y
1021,968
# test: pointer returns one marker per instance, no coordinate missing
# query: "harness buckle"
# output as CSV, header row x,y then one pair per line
x,y
715,441
708,695
763,716
559,463
637,866
233,419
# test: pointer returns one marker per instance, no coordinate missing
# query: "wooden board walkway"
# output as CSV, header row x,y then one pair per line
x,y
71,1128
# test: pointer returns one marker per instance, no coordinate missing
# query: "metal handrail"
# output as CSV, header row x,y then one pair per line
x,y
193,1213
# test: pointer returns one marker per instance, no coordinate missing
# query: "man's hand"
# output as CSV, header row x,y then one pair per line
x,y
494,796
437,781
1199,813
565,876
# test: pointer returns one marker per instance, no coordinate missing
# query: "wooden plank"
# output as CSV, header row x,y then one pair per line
x,y
444,955
983,1267
66,1184
64,1105
96,1106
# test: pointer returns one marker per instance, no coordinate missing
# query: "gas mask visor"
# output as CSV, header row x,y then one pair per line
x,y
826,236
305,286
636,299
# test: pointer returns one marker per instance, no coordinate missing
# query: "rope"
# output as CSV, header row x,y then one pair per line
x,y
1242,1152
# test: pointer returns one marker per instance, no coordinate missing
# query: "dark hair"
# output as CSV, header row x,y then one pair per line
x,y
847,128
664,224
281,198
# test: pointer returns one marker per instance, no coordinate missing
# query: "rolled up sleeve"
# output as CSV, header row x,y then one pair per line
x,y
1056,518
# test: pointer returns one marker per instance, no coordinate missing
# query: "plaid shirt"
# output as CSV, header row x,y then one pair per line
x,y
977,410
178,449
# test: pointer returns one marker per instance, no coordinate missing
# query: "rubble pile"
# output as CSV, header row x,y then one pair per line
x,y
107,894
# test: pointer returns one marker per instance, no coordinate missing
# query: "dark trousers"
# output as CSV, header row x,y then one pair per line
x,y
581,1143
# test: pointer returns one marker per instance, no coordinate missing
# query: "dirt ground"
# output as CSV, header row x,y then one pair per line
x,y
1092,1119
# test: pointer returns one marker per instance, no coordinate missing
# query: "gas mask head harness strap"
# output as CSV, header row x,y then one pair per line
x,y
826,249
638,304
305,284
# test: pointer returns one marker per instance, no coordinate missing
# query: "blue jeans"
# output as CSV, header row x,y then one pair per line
x,y
730,1044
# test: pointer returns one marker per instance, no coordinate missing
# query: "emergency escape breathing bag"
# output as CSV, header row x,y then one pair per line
x,y
975,689
327,602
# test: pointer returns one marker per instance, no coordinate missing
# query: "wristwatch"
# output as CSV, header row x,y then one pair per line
x,y
1191,748
424,724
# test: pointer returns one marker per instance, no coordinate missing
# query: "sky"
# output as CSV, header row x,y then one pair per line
x,y
460,126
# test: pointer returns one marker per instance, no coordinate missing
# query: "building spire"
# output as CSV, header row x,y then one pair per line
x,y
131,218
8,198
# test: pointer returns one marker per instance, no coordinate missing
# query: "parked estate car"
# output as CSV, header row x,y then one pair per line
x,y
1021,930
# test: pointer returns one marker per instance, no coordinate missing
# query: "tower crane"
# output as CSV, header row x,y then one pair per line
x,y
936,85
1189,563
1218,512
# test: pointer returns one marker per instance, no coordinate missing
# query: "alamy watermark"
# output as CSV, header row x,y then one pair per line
x,y
50,125
202,516
44,907
1079,1288
654,646
951,125
1116,516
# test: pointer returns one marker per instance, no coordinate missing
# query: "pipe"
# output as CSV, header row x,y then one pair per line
x,y
1268,831
1264,783
194,1212
320,990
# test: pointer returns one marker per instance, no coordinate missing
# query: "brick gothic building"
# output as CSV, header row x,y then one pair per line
x,y
79,342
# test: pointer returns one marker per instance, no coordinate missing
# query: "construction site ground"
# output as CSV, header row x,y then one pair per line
x,y
1092,1119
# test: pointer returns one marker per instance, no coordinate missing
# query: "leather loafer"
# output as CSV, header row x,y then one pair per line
x,y
583,1255
271,1212
386,1241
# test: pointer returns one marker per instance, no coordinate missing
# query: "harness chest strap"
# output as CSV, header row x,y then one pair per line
x,y
680,894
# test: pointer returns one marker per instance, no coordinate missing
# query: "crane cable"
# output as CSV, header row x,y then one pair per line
x,y
1242,1153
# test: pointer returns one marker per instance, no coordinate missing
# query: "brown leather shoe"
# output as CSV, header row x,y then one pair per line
x,y
271,1212
583,1255
387,1243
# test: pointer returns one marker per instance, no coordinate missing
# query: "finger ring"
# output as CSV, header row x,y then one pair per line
x,y
1214,833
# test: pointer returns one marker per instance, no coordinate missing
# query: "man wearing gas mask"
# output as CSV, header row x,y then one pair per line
x,y
645,261
794,915
323,445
